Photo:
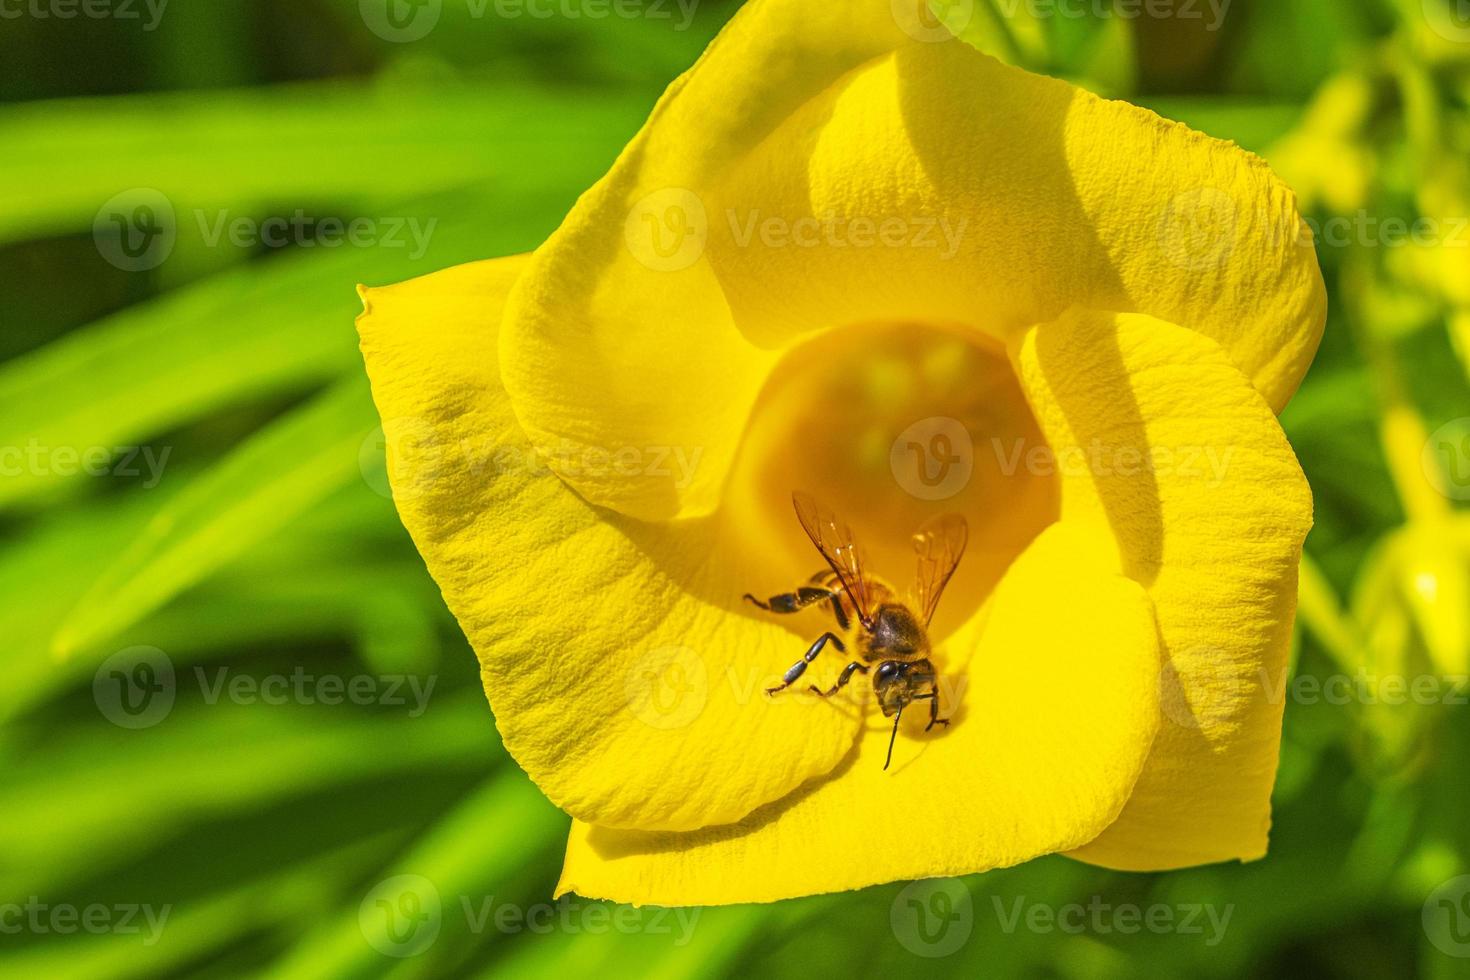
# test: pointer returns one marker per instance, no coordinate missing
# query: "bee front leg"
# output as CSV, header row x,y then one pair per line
x,y
847,673
933,698
799,668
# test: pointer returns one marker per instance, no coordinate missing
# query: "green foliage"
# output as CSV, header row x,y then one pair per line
x,y
263,543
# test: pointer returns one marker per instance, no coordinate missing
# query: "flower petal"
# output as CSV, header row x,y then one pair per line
x,y
1049,735
820,168
1213,529
621,678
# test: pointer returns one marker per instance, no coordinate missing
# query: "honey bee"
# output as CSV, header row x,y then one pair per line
x,y
887,631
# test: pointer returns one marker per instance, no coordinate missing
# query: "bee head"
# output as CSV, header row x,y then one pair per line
x,y
891,685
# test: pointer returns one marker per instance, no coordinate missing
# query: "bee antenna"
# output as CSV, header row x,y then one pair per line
x,y
891,739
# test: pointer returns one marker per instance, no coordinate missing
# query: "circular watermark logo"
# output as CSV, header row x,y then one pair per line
x,y
1450,19
401,458
400,21
135,688
667,688
1198,229
401,915
1446,459
1447,917
934,458
667,230
372,462
136,230
932,918
1212,686
916,19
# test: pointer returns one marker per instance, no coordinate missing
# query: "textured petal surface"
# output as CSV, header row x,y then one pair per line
x,y
621,678
1053,722
1159,438
818,168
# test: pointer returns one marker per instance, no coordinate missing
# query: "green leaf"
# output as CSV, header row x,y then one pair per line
x,y
258,489
464,858
257,330
202,760
335,144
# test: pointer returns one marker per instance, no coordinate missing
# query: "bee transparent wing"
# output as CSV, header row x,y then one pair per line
x,y
940,544
834,540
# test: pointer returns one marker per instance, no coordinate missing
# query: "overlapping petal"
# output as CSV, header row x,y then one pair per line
x,y
621,679
1160,440
820,167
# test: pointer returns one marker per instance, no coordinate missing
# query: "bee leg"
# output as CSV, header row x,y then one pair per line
x,y
933,698
799,668
838,611
847,673
791,602
806,595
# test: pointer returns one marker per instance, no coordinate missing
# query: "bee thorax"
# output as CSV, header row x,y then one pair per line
x,y
895,632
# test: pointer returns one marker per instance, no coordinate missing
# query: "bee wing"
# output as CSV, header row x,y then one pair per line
x,y
834,540
940,544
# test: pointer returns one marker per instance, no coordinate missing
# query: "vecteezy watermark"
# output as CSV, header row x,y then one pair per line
x,y
137,687
305,231
1365,230
830,230
96,918
402,916
36,458
934,458
667,688
935,918
571,915
1202,684
1193,695
1446,917
1450,19
1390,690
1211,13
1209,464
416,454
669,229
1101,918
405,21
148,12
1446,459
918,20
299,687
932,918
138,229
1201,228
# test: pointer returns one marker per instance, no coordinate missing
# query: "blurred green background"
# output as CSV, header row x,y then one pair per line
x,y
193,483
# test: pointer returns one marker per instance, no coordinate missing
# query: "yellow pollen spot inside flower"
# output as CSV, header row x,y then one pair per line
x,y
890,425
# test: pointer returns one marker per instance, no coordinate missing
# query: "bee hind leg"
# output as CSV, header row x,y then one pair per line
x,y
791,602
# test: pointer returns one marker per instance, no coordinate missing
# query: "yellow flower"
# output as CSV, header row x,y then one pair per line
x,y
850,257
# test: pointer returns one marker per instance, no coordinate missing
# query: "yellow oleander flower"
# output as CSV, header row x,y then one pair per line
x,y
850,256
